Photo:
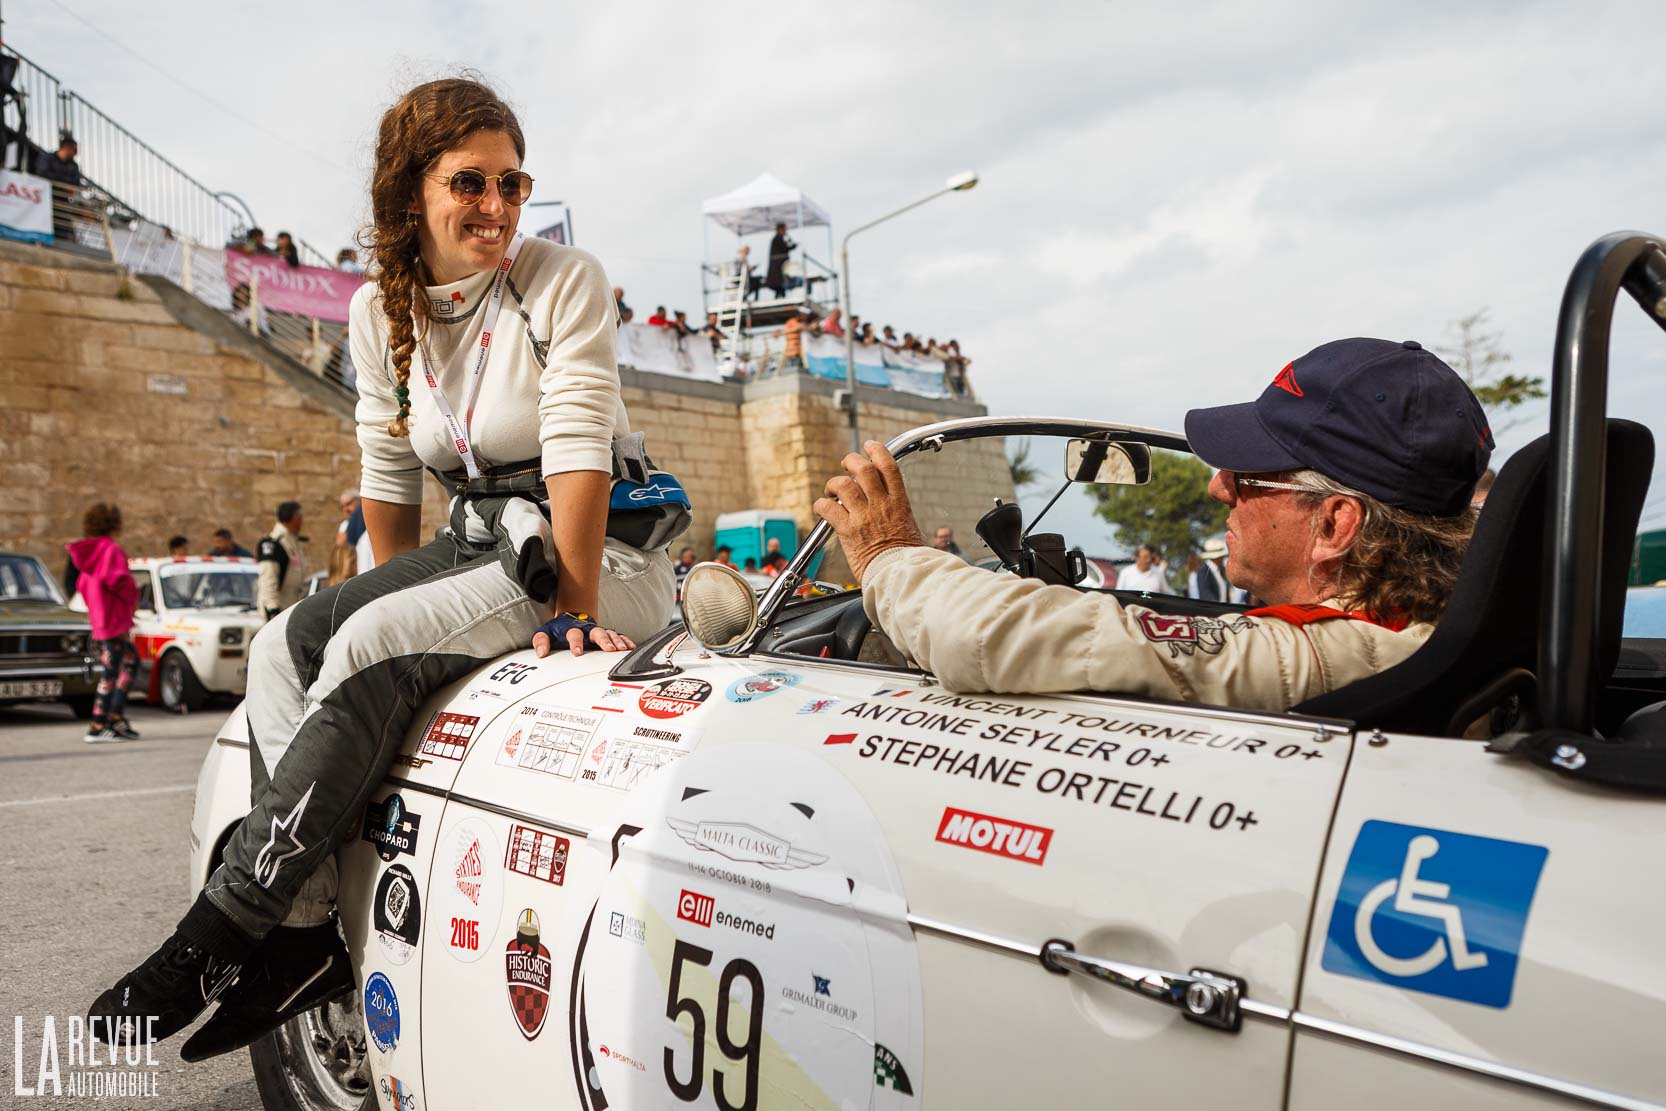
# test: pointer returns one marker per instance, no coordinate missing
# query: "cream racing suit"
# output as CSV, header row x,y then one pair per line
x,y
273,594
980,631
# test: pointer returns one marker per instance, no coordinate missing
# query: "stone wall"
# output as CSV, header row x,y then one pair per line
x,y
129,390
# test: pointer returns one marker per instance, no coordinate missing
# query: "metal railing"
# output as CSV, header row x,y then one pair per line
x,y
137,180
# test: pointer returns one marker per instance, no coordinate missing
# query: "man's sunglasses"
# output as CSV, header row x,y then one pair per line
x,y
469,186
1239,481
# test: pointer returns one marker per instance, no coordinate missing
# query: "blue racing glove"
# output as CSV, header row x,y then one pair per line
x,y
557,628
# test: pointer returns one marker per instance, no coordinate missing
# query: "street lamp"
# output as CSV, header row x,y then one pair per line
x,y
959,183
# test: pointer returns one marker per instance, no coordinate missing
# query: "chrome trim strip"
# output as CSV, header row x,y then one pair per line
x,y
976,937
1465,1062
489,807
1267,1012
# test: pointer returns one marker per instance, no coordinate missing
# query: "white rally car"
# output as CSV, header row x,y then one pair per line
x,y
195,620
767,863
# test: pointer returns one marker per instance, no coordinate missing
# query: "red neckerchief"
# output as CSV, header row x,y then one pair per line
x,y
1307,613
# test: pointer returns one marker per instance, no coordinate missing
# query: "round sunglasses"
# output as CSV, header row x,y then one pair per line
x,y
469,186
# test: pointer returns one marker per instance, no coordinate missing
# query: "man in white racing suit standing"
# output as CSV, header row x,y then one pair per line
x,y
1348,483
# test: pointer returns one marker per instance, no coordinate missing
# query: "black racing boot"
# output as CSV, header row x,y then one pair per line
x,y
175,984
295,969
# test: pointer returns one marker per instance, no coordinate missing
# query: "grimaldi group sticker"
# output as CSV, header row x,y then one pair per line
x,y
58,1056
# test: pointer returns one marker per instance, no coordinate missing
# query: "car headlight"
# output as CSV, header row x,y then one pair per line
x,y
232,635
75,644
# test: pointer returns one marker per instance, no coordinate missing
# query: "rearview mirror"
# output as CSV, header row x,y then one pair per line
x,y
1102,461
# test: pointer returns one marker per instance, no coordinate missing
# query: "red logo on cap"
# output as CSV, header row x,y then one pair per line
x,y
1286,381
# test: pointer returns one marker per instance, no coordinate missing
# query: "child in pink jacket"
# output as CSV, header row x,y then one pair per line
x,y
107,586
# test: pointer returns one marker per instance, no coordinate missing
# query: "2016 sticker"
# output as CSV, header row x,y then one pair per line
x,y
381,1012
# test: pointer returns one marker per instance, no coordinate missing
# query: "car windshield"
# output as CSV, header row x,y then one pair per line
x,y
22,578
194,586
1646,612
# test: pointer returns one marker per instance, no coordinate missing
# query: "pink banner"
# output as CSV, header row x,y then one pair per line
x,y
280,287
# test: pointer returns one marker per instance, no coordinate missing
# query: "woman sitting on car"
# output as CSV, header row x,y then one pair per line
x,y
523,420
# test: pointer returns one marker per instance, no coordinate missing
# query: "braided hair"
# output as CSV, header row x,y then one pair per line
x,y
420,127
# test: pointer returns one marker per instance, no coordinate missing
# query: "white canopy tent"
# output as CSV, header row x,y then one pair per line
x,y
762,203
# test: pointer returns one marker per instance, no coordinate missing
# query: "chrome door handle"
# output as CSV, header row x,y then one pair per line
x,y
1209,998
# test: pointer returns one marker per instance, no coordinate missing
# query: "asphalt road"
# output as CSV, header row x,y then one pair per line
x,y
94,843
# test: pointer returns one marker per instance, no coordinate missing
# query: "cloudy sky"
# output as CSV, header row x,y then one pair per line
x,y
1175,199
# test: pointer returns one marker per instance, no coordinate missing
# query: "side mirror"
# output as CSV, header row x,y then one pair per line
x,y
1102,461
720,607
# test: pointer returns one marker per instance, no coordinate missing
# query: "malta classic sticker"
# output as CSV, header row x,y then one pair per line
x,y
750,688
470,884
527,966
672,698
381,1012
1434,911
746,890
397,913
391,828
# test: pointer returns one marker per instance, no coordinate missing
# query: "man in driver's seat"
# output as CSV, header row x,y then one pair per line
x,y
1348,483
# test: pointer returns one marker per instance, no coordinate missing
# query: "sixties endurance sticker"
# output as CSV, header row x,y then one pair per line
x,y
1434,911
397,913
470,883
752,896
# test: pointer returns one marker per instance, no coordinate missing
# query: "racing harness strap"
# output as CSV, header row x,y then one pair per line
x,y
1309,613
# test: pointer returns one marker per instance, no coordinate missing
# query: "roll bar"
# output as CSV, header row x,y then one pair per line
x,y
1635,262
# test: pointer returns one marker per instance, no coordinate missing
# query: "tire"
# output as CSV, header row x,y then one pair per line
x,y
316,1062
82,705
178,684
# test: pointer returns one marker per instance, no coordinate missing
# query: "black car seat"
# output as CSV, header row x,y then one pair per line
x,y
1485,647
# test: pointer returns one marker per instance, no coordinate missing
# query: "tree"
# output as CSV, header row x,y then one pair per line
x,y
1475,353
1024,472
1174,512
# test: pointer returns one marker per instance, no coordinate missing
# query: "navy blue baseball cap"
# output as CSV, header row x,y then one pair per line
x,y
1388,419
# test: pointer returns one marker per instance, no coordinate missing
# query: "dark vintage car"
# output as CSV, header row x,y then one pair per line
x,y
45,647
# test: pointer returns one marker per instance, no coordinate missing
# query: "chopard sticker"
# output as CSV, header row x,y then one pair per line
x,y
537,853
391,828
672,698
448,735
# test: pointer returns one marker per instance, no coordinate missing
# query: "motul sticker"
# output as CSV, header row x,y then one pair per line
x,y
996,836
673,698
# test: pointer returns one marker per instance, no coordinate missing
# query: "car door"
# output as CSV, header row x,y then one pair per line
x,y
1479,939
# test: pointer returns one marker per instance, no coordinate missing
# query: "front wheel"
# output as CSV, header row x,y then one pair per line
x,y
181,690
317,1061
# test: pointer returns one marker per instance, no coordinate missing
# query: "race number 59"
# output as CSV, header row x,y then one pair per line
x,y
676,1005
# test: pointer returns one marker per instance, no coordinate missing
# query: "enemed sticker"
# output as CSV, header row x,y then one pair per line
x,y
1434,911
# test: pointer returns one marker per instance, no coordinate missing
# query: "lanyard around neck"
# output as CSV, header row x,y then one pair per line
x,y
459,430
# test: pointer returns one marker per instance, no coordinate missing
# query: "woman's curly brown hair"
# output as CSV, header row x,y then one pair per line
x,y
422,125
101,519
1401,564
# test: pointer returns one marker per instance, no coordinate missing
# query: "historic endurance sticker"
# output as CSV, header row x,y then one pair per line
x,y
397,913
749,946
527,967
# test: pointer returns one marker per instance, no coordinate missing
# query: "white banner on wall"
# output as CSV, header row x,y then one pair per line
x,y
657,350
25,207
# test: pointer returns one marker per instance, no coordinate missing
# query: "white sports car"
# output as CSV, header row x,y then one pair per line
x,y
764,862
195,620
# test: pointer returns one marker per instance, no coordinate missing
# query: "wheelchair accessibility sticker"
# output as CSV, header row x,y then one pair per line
x,y
1434,911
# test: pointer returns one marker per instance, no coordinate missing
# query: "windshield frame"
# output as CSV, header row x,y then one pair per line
x,y
167,571
932,437
54,591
